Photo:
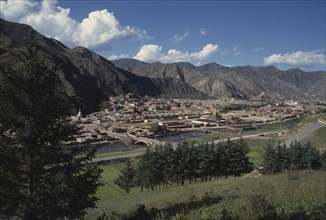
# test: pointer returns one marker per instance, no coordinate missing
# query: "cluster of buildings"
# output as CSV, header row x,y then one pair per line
x,y
127,116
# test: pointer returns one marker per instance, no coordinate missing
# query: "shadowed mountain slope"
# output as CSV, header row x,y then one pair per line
x,y
88,77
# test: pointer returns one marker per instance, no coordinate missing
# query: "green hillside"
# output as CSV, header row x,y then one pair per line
x,y
288,193
318,138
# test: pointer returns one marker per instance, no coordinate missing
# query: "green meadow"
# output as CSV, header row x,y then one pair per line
x,y
318,138
288,193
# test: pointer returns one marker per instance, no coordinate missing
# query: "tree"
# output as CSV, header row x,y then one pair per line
x,y
126,179
158,129
323,159
269,158
304,156
245,165
276,157
105,105
236,159
145,171
40,177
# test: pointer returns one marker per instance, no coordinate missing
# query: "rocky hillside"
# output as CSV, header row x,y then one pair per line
x,y
88,77
239,82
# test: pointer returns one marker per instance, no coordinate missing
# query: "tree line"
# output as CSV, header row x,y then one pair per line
x,y
165,165
278,157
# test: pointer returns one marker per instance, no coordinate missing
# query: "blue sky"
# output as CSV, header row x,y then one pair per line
x,y
287,34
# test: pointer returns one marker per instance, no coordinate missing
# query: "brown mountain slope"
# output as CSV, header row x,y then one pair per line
x,y
88,77
238,82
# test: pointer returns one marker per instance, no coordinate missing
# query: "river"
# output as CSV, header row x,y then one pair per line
x,y
181,137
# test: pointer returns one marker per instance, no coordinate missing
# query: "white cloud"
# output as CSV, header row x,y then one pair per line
x,y
152,52
149,53
206,52
231,51
297,59
178,38
258,49
174,55
116,57
99,31
202,31
15,10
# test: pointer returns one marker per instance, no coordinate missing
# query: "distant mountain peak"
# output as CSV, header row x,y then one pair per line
x,y
240,81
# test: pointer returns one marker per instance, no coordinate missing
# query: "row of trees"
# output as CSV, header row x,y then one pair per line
x,y
278,157
165,165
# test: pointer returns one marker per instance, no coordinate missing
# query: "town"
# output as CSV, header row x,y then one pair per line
x,y
143,120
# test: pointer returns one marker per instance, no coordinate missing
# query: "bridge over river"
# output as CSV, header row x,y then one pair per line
x,y
150,141
137,140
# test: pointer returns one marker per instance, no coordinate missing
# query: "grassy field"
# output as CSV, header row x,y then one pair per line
x,y
109,189
251,198
119,153
318,138
257,148
288,192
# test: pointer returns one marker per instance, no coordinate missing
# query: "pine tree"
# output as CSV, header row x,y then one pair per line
x,y
323,160
269,158
228,158
298,159
314,157
283,157
169,167
40,177
206,161
304,156
246,165
145,171
217,162
238,161
126,179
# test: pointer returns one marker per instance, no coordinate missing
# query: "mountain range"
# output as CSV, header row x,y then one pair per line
x,y
243,82
89,78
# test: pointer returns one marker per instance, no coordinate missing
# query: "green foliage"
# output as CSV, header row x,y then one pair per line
x,y
258,207
140,211
158,129
318,211
146,173
235,159
318,138
278,157
167,107
291,193
234,107
126,179
40,177
323,160
105,105
189,163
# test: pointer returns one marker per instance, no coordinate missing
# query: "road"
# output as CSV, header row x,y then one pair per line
x,y
305,132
